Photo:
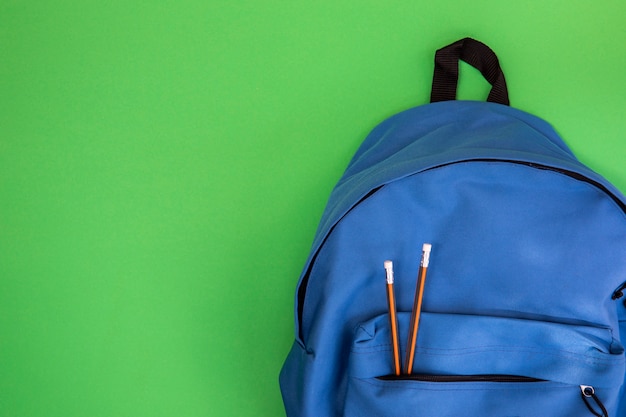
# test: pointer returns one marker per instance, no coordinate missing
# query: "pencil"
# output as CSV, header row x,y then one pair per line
x,y
393,319
417,308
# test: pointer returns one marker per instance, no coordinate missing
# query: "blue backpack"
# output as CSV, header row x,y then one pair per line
x,y
521,311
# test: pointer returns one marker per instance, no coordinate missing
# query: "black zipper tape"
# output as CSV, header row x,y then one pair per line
x,y
460,378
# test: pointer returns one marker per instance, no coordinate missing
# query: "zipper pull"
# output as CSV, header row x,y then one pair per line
x,y
619,293
587,392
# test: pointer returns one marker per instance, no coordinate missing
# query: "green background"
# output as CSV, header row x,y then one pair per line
x,y
164,165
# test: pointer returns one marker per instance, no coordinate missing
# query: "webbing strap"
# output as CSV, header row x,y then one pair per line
x,y
478,55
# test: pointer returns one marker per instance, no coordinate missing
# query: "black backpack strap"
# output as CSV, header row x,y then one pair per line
x,y
478,55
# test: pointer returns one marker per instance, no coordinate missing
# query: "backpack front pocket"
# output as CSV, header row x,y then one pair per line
x,y
487,366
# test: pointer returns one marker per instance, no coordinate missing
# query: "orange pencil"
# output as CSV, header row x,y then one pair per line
x,y
393,319
417,308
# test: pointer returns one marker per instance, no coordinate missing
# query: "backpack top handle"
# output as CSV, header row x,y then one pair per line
x,y
478,55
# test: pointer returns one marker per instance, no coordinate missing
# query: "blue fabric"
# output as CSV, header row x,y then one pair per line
x,y
524,262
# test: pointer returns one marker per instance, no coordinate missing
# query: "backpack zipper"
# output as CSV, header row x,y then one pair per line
x,y
571,174
461,378
587,392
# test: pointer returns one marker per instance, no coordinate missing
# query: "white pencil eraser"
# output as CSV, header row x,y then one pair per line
x,y
389,269
426,254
